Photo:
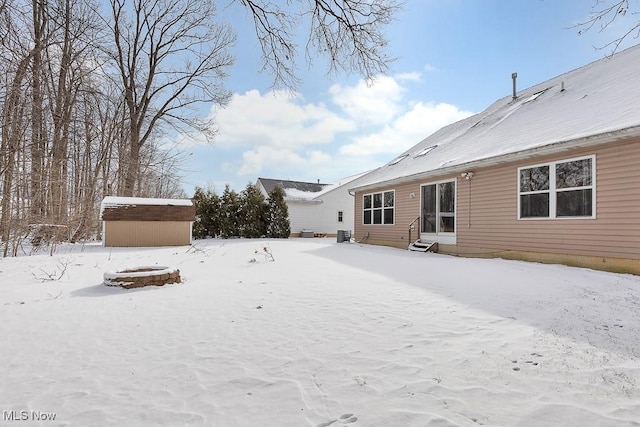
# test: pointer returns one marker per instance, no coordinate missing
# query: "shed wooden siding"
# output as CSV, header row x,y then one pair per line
x,y
493,224
146,233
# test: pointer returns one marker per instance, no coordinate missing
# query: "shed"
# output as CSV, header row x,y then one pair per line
x,y
138,221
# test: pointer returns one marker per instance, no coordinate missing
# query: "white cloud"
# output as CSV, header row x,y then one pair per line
x,y
414,76
280,135
407,130
277,119
254,161
374,104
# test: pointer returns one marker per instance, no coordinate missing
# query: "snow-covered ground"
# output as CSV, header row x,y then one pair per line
x,y
327,334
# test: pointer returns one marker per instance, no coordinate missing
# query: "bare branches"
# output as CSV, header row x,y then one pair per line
x,y
170,55
603,16
274,31
55,275
348,33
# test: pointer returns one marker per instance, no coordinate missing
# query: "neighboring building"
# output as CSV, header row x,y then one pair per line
x,y
137,221
315,208
550,174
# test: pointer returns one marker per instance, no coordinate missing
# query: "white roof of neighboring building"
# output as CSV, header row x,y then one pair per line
x,y
310,192
601,98
296,194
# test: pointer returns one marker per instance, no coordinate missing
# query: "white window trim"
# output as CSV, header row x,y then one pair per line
x,y
382,208
553,190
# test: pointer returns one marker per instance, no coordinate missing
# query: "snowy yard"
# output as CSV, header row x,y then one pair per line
x,y
326,335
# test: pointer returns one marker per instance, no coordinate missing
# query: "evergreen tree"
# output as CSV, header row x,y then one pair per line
x,y
215,207
253,212
207,206
230,205
278,225
200,201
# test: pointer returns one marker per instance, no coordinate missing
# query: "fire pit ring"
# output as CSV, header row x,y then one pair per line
x,y
137,277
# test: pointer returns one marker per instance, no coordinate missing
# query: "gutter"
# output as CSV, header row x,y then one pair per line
x,y
553,148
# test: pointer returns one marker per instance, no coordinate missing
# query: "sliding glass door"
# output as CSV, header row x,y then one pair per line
x,y
438,213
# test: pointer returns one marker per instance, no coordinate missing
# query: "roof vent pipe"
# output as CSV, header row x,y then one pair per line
x,y
514,76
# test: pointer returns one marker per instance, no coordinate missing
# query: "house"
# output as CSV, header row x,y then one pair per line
x,y
137,221
550,174
315,208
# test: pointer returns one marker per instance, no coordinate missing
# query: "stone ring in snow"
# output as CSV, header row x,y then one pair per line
x,y
138,277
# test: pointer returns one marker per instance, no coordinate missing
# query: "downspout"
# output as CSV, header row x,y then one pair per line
x,y
468,176
469,204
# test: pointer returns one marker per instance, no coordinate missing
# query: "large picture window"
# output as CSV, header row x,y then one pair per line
x,y
564,189
379,208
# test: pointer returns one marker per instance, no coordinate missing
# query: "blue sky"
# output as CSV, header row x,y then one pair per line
x,y
455,58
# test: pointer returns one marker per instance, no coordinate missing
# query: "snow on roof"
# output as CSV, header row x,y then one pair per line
x,y
114,201
306,191
307,187
595,99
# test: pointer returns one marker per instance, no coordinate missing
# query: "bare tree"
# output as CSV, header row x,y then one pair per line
x,y
84,105
603,14
170,55
348,33
16,57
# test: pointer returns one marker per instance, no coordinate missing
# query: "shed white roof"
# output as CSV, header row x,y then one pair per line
x,y
596,99
115,201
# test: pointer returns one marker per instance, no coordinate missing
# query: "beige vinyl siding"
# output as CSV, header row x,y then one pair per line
x,y
147,233
615,232
493,227
407,209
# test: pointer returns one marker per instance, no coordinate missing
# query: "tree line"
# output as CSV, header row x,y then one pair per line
x,y
91,91
246,214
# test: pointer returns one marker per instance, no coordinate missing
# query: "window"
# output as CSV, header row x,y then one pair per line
x,y
399,159
379,208
424,151
339,216
564,189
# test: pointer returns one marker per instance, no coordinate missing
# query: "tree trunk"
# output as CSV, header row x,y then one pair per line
x,y
37,120
12,119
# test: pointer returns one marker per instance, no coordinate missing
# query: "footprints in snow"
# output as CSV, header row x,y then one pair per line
x,y
530,362
606,327
344,419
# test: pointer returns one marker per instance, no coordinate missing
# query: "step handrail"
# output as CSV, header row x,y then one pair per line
x,y
411,228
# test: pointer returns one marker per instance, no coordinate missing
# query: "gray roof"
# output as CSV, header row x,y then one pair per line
x,y
592,104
